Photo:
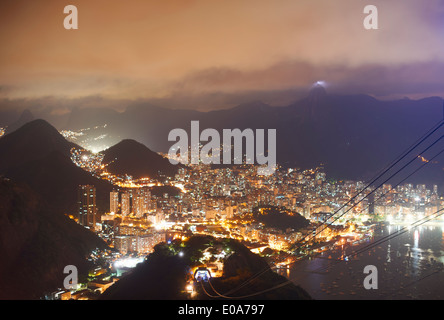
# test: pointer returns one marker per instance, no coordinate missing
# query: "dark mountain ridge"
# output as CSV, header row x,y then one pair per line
x,y
34,140
133,158
37,243
352,136
165,272
38,155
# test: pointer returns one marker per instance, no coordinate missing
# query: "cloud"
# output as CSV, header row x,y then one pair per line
x,y
280,84
289,79
196,53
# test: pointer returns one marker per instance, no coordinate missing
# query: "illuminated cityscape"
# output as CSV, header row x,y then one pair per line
x,y
226,151
220,203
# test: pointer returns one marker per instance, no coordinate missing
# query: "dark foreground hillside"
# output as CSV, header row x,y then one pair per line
x,y
37,243
166,272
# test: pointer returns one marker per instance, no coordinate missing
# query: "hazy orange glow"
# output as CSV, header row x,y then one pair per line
x,y
146,49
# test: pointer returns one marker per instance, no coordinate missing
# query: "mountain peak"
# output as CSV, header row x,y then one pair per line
x,y
32,141
317,91
39,131
39,124
25,117
134,158
130,142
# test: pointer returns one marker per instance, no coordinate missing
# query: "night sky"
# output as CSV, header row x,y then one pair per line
x,y
215,54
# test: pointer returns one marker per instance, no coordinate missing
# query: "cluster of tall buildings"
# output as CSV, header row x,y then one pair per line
x,y
407,200
141,243
135,202
212,196
136,211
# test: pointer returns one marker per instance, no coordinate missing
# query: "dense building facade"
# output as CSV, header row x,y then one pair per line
x,y
87,208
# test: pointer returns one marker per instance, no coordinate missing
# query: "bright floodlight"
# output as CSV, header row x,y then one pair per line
x,y
128,262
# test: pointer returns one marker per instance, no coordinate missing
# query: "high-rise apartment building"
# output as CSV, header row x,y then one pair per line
x,y
87,209
141,201
126,205
114,202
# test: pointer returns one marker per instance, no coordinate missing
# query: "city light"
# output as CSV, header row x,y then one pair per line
x,y
128,262
220,202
